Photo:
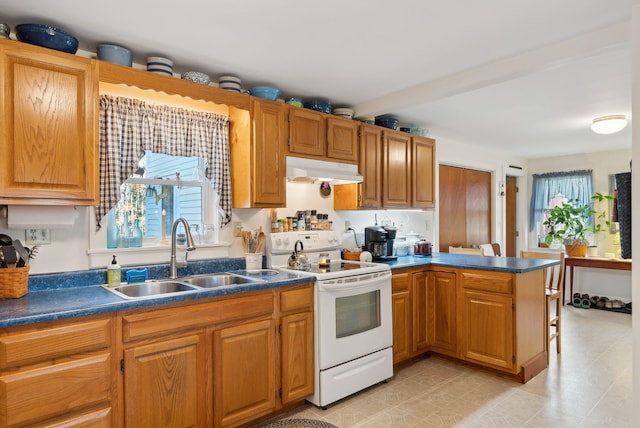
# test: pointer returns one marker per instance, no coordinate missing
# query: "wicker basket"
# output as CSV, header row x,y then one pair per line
x,y
351,255
14,282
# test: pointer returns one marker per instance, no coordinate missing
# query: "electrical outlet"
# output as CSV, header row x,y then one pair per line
x,y
347,225
237,229
37,237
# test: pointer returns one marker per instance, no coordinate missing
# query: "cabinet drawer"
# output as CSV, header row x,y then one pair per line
x,y
400,282
46,392
100,418
494,282
297,299
48,343
166,321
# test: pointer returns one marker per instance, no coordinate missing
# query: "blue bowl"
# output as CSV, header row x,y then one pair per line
x,y
47,36
318,105
115,54
266,92
387,122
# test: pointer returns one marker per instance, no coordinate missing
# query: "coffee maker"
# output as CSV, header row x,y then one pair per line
x,y
379,242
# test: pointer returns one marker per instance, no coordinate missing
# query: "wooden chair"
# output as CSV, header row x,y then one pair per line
x,y
467,251
553,276
487,250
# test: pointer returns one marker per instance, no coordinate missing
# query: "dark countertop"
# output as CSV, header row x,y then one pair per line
x,y
68,295
63,300
497,264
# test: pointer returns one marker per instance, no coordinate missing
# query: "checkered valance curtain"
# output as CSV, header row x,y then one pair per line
x,y
128,127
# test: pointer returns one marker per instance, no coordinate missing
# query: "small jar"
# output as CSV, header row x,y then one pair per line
x,y
313,220
324,260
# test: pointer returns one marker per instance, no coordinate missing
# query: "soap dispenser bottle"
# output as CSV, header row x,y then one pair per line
x,y
113,273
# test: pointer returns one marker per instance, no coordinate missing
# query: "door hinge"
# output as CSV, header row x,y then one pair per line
x,y
289,142
279,328
517,189
513,359
122,365
280,392
513,307
517,233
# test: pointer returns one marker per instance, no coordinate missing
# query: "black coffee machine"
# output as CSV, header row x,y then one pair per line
x,y
378,241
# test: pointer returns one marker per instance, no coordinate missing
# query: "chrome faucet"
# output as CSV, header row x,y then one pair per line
x,y
173,264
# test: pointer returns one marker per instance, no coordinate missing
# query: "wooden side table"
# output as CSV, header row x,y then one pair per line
x,y
590,262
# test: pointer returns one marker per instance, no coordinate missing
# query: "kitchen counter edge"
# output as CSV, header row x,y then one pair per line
x,y
490,263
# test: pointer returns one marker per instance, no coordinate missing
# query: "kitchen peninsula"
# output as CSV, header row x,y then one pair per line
x,y
485,311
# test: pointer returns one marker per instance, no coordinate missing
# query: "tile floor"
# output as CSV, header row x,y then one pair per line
x,y
588,385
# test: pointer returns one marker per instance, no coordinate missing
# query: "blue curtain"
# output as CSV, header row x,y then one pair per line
x,y
572,184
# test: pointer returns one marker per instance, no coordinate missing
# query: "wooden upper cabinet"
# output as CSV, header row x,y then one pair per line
x,y
342,139
423,173
396,169
257,155
369,165
49,118
307,132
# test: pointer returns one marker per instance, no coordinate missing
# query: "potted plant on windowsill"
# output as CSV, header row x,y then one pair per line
x,y
568,223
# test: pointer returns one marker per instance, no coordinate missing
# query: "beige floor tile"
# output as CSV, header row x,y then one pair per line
x,y
588,385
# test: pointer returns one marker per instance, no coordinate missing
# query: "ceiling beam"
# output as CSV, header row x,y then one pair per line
x,y
502,70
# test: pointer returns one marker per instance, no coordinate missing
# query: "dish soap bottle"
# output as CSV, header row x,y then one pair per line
x,y
113,273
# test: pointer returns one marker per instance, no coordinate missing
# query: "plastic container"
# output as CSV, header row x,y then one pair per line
x,y
113,273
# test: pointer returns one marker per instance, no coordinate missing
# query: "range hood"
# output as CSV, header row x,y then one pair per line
x,y
302,170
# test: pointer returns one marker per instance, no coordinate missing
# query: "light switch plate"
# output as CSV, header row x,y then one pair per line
x,y
237,229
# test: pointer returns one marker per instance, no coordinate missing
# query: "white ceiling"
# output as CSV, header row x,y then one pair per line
x,y
523,77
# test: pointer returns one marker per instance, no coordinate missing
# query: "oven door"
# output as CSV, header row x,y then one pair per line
x,y
353,318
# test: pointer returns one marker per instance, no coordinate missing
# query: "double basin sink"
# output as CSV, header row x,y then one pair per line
x,y
172,287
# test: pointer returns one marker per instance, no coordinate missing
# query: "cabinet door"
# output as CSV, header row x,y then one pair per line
x,y
423,173
268,178
487,331
342,139
370,161
401,311
442,318
49,121
421,310
297,356
307,133
396,170
243,372
164,383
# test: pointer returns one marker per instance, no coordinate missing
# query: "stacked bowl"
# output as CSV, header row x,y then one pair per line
x,y
318,105
266,92
196,76
230,83
344,112
47,36
115,54
387,121
160,65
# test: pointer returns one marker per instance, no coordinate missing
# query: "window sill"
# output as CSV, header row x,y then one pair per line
x,y
100,258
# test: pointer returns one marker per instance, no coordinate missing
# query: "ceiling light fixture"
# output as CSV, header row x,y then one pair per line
x,y
608,124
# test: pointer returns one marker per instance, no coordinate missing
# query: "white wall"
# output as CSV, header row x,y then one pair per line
x,y
599,282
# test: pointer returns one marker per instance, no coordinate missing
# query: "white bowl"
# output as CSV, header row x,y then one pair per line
x,y
344,112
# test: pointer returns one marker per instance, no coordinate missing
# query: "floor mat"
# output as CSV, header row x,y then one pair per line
x,y
300,423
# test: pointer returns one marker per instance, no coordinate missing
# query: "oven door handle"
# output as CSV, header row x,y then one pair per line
x,y
339,284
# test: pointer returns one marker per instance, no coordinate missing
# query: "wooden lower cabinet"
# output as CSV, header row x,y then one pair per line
x,y
163,383
493,319
443,329
58,374
488,329
223,363
402,316
244,374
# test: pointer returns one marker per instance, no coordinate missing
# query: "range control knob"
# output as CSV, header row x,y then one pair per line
x,y
278,242
286,242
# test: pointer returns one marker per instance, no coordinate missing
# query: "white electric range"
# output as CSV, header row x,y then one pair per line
x,y
353,324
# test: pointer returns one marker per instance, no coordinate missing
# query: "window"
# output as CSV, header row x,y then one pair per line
x,y
163,188
552,188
